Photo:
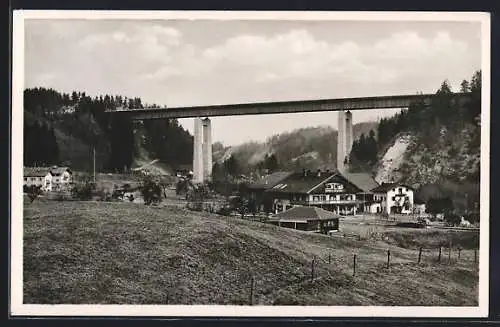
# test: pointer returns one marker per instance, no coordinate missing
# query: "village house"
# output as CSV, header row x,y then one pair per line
x,y
307,219
37,176
256,190
48,178
393,198
328,190
366,183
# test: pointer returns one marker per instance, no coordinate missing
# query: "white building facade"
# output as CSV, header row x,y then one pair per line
x,y
49,179
393,198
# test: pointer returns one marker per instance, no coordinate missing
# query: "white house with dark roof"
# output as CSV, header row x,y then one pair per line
x,y
48,178
37,176
394,198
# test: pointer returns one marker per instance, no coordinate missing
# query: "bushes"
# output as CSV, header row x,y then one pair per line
x,y
33,192
452,218
151,190
83,191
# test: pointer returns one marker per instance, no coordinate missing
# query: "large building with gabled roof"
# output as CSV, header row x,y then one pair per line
x,y
343,193
328,190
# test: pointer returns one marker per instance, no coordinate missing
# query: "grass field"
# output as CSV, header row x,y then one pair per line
x,y
126,253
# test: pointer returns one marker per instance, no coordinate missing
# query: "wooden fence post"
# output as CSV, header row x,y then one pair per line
x,y
329,258
354,266
388,258
449,252
459,251
439,256
475,255
312,270
419,254
252,281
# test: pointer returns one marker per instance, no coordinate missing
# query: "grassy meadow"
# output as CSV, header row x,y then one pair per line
x,y
127,253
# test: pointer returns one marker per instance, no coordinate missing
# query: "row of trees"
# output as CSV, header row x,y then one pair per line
x,y
425,121
49,101
364,152
269,163
443,111
444,205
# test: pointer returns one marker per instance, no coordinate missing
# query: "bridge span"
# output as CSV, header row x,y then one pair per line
x,y
202,151
339,104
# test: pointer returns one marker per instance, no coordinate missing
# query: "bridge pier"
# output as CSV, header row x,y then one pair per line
x,y
344,138
197,152
202,150
207,149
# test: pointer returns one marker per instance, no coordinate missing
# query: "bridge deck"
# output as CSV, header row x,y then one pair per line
x,y
380,102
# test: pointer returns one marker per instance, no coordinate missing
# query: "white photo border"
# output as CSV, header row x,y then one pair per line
x,y
17,308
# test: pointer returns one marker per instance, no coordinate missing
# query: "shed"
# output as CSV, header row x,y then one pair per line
x,y
308,219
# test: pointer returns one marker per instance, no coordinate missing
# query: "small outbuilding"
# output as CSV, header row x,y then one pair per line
x,y
307,218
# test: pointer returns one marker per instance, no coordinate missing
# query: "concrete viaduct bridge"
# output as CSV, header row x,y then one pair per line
x,y
202,152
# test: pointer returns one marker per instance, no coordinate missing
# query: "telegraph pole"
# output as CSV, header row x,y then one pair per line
x,y
93,148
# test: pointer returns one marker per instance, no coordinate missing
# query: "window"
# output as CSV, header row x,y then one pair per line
x,y
400,190
393,198
25,179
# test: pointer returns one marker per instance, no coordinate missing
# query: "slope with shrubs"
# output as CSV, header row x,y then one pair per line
x,y
443,154
124,253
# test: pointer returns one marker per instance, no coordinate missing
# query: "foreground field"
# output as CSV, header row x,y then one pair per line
x,y
125,253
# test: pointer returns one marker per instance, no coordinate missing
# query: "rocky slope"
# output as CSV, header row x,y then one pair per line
x,y
454,157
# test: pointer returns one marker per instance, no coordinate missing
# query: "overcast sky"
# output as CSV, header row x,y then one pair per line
x,y
194,62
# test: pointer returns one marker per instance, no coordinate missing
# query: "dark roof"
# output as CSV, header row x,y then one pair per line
x,y
305,213
43,171
270,180
308,183
36,171
384,187
362,180
57,171
300,183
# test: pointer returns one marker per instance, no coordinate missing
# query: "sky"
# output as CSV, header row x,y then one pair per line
x,y
207,62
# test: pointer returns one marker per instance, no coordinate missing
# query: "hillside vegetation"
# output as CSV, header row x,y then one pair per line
x,y
124,253
310,148
442,146
70,126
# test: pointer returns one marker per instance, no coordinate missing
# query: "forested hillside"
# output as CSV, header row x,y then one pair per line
x,y
439,146
62,128
310,148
